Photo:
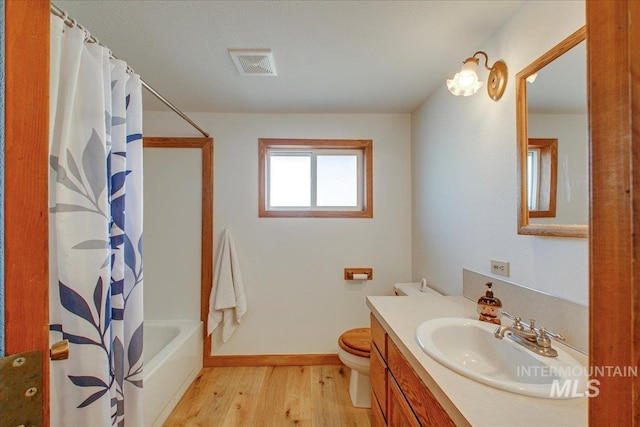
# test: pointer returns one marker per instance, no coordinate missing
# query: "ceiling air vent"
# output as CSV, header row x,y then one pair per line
x,y
253,62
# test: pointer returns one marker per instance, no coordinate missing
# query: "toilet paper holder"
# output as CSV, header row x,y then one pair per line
x,y
349,272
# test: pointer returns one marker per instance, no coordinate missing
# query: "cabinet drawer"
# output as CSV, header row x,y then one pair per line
x,y
423,403
378,378
379,336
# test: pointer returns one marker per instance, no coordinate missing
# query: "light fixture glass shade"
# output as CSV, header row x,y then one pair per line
x,y
465,82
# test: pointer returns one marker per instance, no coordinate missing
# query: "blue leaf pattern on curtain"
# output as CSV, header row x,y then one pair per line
x,y
95,204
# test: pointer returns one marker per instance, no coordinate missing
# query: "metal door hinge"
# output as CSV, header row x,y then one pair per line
x,y
21,389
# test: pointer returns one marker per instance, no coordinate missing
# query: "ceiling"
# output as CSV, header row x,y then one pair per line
x,y
330,56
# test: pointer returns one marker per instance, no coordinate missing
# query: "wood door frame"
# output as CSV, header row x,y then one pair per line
x,y
614,126
26,192
206,261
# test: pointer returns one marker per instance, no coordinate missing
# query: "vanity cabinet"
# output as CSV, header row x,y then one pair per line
x,y
399,398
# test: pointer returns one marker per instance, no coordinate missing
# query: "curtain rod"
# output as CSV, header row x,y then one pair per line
x,y
73,23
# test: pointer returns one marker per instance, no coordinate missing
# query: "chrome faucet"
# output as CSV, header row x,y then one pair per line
x,y
535,339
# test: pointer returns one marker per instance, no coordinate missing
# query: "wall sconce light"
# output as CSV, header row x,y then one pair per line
x,y
466,82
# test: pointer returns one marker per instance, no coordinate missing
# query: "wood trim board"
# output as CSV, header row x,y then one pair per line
x,y
26,189
271,360
613,59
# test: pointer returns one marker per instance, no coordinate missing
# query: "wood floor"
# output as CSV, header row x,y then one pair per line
x,y
310,396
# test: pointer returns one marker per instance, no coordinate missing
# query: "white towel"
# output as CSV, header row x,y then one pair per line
x,y
227,303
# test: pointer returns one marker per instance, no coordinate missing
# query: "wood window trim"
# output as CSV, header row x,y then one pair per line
x,y
548,175
366,145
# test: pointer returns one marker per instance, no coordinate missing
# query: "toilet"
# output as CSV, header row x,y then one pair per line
x,y
415,289
355,347
354,352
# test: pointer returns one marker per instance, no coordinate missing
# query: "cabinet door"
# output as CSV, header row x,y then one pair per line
x,y
378,378
399,412
422,401
377,419
379,336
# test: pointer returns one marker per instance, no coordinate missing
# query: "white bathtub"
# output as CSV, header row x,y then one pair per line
x,y
172,360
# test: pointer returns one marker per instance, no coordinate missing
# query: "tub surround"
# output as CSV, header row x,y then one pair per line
x,y
172,233
468,402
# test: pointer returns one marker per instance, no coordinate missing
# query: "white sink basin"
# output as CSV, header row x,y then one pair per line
x,y
469,347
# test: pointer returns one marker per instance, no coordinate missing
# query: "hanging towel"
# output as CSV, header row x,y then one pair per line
x,y
227,303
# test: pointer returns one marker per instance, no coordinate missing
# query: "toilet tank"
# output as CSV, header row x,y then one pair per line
x,y
412,289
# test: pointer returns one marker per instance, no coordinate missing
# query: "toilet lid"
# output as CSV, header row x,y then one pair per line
x,y
356,341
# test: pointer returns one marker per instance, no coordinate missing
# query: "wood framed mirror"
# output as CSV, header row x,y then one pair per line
x,y
552,136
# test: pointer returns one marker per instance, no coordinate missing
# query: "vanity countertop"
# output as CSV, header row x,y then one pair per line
x,y
466,401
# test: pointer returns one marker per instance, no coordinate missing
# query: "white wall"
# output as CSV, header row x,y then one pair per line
x,y
297,299
464,173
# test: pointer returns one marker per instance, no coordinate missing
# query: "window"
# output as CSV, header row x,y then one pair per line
x,y
533,178
542,167
315,178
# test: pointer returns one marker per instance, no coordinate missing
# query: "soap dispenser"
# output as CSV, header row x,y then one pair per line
x,y
489,307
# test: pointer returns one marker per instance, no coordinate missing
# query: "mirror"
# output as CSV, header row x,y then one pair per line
x,y
552,130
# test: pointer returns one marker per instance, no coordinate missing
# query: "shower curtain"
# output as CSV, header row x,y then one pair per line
x,y
95,244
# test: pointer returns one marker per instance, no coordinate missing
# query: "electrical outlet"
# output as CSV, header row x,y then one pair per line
x,y
501,268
